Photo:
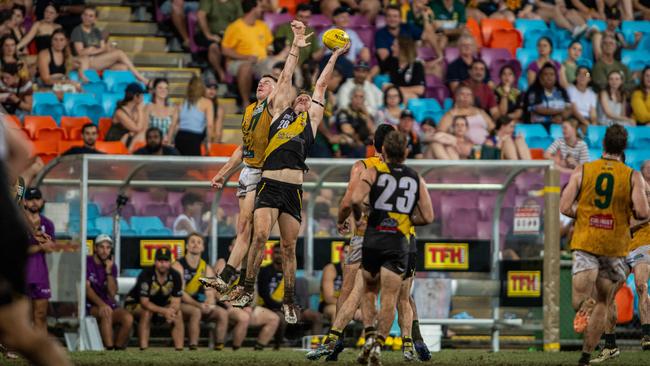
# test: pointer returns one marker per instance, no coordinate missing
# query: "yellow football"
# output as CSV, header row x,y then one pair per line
x,y
335,38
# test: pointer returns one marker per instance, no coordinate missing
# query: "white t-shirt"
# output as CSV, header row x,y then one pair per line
x,y
373,96
583,100
183,217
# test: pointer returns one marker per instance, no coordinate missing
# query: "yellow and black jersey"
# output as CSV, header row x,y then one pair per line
x,y
160,294
290,139
604,209
338,282
368,163
191,277
255,133
393,197
270,287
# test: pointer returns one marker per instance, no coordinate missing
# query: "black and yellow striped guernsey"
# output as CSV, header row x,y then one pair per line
x,y
191,277
290,139
254,128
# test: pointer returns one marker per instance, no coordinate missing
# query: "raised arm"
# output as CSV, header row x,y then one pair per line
x,y
318,97
231,165
29,36
639,198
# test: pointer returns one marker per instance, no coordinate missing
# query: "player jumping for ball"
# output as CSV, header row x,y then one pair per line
x,y
279,193
398,201
272,99
608,193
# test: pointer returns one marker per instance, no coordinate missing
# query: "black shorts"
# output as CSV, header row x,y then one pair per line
x,y
394,260
411,265
286,197
202,41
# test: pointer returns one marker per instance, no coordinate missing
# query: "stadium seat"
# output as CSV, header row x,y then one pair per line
x,y
47,104
104,125
222,149
530,130
380,80
109,101
91,75
537,154
522,84
161,210
319,22
595,135
73,125
530,41
359,20
438,92
556,131
629,27
526,26
560,55
488,26
117,80
562,38
96,88
526,56
149,225
539,142
490,55
105,225
112,147
37,126
65,145
638,137
367,36
475,30
601,25
509,39
423,108
426,53
635,157
595,154
624,305
451,54
45,147
635,60
274,20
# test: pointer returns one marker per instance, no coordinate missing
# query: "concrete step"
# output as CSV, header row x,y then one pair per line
x,y
231,136
161,59
139,44
113,13
173,75
128,28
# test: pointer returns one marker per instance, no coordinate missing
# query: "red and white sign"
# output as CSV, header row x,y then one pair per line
x,y
605,222
527,220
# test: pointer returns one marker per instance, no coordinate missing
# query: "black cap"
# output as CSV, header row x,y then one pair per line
x,y
407,114
362,65
134,88
33,193
163,254
341,10
209,80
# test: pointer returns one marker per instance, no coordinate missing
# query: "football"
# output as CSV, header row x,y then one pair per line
x,y
335,38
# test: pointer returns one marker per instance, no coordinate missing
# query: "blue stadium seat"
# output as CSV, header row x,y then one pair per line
x,y
556,131
109,101
529,130
448,103
149,225
146,98
423,108
585,62
105,225
522,84
629,27
47,104
560,55
91,74
526,56
587,49
381,79
96,88
595,135
117,80
595,154
74,227
638,137
526,26
82,105
629,57
634,158
600,24
539,142
530,42
93,211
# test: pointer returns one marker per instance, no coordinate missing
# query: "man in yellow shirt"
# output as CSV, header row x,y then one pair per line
x,y
245,44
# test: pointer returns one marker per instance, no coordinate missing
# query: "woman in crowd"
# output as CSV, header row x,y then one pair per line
x,y
612,108
129,122
583,98
405,71
159,113
570,65
479,123
546,102
641,99
511,146
10,56
211,90
390,112
18,22
195,119
568,151
41,31
508,96
544,50
454,145
54,63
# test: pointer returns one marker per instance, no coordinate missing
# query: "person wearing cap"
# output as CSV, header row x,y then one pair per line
x,y
405,126
101,289
156,297
129,121
160,113
358,50
373,96
41,242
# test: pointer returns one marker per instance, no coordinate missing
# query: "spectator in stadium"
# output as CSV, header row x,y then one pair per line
x,y
69,12
156,297
211,91
188,221
546,102
198,302
308,54
405,71
368,8
568,152
42,241
544,50
372,94
449,17
129,122
358,50
392,108
41,31
89,133
53,63
511,146
613,106
270,290
330,288
15,92
583,98
386,36
94,53
642,6
258,316
484,95
406,126
569,67
557,11
10,56
479,123
178,10
608,63
507,95
621,9
421,19
214,16
17,22
160,113
245,43
458,70
612,29
641,99
155,144
355,125
196,119
101,289
454,145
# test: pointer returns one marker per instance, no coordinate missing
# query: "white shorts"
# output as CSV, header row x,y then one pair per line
x,y
248,179
612,268
638,255
354,252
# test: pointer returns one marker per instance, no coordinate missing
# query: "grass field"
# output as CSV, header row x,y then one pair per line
x,y
248,357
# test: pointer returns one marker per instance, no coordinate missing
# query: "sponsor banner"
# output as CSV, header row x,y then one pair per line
x,y
148,249
524,283
90,247
526,220
446,256
521,283
268,252
337,251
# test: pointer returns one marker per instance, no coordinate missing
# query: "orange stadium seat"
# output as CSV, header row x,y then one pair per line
x,y
72,126
138,144
488,26
112,147
475,30
13,120
37,125
45,147
222,149
67,144
370,151
509,39
537,154
624,305
104,125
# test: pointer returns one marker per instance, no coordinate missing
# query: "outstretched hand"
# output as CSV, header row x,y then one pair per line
x,y
345,49
300,39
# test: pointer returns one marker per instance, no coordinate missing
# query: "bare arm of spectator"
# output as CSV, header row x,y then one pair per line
x,y
639,6
218,125
208,110
27,38
133,125
327,284
583,9
609,113
488,120
576,113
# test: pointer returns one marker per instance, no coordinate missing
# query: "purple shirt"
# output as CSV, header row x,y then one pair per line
x,y
96,275
535,68
36,265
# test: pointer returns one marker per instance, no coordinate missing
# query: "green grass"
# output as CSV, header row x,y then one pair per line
x,y
248,357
